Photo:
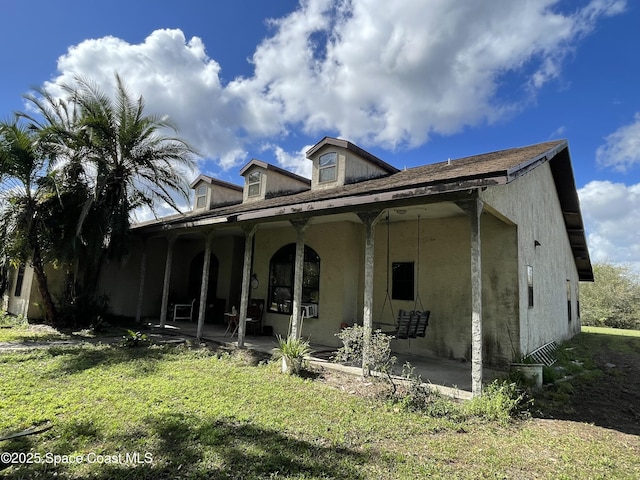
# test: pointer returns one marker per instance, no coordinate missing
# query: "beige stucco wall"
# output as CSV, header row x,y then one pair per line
x,y
19,305
532,203
443,282
29,302
338,245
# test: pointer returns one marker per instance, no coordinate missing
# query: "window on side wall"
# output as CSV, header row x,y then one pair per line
x,y
569,299
201,196
281,277
19,279
327,167
403,281
530,285
253,184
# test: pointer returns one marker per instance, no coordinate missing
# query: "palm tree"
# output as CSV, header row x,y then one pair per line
x,y
25,187
121,156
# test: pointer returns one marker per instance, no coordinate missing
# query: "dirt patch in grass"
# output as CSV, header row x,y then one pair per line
x,y
352,384
606,393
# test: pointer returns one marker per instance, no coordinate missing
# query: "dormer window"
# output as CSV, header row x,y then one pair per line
x,y
327,167
201,196
253,184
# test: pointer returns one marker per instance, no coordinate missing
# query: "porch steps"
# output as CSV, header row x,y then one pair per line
x,y
545,354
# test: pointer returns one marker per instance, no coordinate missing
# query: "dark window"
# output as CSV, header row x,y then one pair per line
x,y
403,280
569,299
530,284
19,280
281,275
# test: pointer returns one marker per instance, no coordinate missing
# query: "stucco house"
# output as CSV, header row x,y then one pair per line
x,y
492,245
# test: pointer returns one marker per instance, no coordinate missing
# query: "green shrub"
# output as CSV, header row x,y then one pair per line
x,y
380,358
501,401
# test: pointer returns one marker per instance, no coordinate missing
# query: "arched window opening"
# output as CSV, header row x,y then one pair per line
x,y
282,273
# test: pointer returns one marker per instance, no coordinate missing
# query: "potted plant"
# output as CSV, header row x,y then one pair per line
x,y
291,351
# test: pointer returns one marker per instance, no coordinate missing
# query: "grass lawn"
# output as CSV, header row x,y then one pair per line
x,y
611,331
176,412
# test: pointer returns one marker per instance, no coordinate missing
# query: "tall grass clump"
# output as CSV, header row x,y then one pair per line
x,y
501,401
8,321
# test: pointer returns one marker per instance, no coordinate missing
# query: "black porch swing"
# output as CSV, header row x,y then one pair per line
x,y
409,324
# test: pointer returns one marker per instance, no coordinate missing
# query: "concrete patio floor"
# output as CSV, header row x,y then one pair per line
x,y
449,377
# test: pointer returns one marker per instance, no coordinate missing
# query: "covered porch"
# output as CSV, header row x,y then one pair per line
x,y
438,237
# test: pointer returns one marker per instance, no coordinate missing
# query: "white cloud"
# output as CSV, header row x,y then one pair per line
x,y
612,217
296,162
175,76
383,73
621,150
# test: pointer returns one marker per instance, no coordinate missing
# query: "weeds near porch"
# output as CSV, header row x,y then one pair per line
x,y
135,339
418,396
501,401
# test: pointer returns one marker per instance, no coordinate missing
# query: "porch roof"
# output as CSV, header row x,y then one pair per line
x,y
414,185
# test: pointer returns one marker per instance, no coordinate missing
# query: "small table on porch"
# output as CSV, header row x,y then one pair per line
x,y
232,323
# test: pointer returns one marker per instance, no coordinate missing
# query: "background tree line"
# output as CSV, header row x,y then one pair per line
x,y
613,299
71,175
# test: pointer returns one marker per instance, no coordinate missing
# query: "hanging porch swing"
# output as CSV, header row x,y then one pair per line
x,y
409,324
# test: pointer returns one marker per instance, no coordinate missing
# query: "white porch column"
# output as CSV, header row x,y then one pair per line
x,y
204,285
301,227
249,233
143,272
167,280
474,210
370,220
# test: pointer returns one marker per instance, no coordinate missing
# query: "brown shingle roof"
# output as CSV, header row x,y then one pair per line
x,y
503,164
487,169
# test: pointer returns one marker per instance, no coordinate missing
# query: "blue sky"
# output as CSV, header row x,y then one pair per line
x,y
412,82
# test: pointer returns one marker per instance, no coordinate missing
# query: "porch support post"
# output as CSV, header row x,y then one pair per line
x,y
204,284
370,219
143,272
474,210
249,233
301,227
167,280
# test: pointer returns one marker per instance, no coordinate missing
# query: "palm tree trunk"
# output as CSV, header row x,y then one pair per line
x,y
50,313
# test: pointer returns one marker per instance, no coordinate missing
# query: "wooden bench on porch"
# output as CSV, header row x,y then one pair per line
x,y
411,324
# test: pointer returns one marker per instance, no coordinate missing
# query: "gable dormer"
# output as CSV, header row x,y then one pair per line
x,y
211,193
263,180
339,162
